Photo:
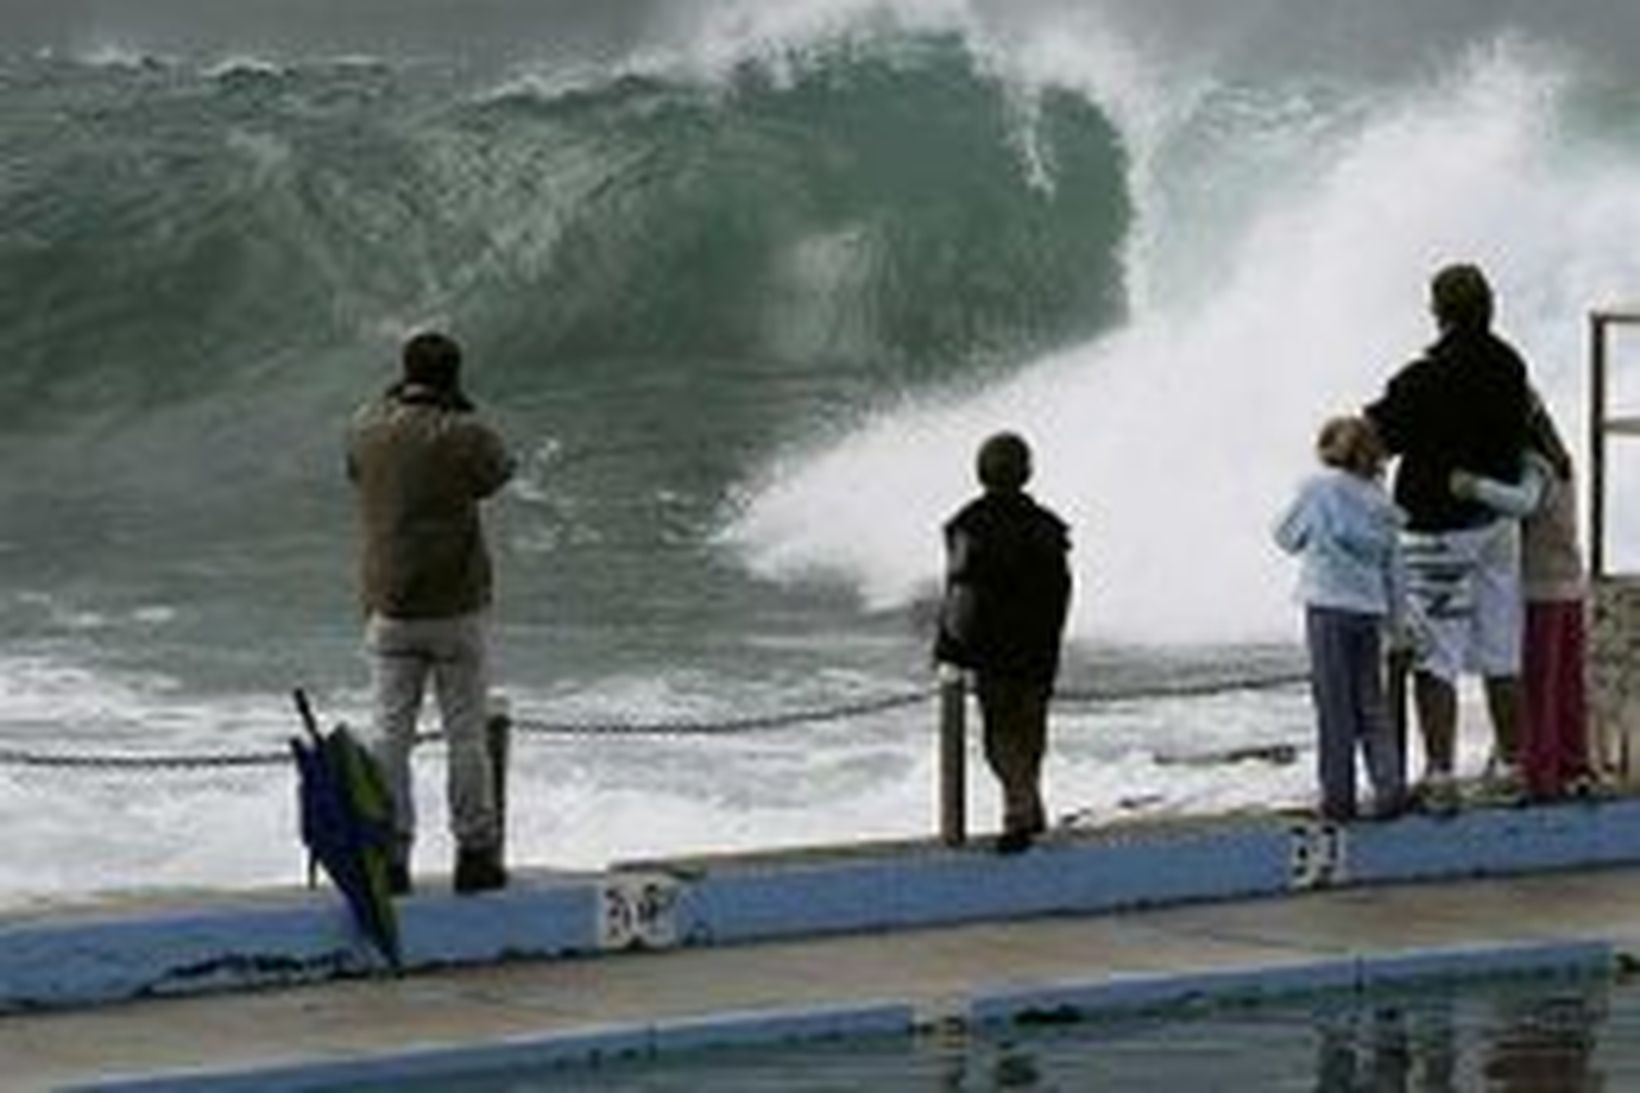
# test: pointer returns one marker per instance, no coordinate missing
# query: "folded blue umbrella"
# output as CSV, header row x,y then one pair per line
x,y
347,824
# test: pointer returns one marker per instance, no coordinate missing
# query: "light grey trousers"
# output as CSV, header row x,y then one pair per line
x,y
404,654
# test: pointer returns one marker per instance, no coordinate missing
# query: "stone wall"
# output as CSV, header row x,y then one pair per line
x,y
1614,676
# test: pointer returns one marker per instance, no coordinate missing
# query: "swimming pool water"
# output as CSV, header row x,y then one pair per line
x,y
1542,1035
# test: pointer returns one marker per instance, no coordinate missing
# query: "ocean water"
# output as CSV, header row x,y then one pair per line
x,y
744,284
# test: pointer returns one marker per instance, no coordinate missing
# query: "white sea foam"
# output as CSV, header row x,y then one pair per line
x,y
65,702
586,801
244,65
116,55
1171,443
728,34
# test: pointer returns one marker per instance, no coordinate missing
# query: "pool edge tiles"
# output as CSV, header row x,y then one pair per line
x,y
1116,996
1478,961
1139,993
1124,995
528,1054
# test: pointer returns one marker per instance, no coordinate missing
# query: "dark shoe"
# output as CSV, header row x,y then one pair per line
x,y
1436,795
398,879
1013,842
479,870
1388,807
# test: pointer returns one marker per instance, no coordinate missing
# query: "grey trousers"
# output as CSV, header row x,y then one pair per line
x,y
404,654
1347,684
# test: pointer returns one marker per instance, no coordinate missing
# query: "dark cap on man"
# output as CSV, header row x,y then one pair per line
x,y
1004,463
1461,298
431,359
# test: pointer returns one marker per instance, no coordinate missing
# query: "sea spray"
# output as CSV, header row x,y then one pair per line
x,y
1171,442
746,284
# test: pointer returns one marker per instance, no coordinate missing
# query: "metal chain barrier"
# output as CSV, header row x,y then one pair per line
x,y
14,757
1206,688
11,757
727,727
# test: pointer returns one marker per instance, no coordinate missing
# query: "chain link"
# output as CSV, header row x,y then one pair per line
x,y
1206,688
725,727
10,757
740,726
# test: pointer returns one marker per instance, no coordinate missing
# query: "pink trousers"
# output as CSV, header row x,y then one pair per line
x,y
1555,746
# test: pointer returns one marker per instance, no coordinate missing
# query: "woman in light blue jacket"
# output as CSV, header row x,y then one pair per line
x,y
1344,529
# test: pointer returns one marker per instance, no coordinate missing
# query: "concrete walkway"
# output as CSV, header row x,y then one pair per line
x,y
936,971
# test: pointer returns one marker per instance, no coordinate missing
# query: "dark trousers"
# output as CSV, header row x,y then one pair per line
x,y
1015,712
1346,681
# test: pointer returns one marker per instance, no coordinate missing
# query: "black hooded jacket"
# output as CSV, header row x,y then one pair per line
x,y
1464,405
1007,588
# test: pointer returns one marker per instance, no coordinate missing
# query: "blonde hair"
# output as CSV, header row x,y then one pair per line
x,y
1350,444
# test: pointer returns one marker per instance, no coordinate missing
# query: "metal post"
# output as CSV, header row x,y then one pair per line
x,y
953,755
497,739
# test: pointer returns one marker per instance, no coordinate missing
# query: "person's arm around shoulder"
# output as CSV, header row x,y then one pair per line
x,y
1508,498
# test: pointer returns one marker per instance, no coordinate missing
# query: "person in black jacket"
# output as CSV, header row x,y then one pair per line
x,y
1463,406
1007,591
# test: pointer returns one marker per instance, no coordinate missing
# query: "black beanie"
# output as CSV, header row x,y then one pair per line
x,y
433,360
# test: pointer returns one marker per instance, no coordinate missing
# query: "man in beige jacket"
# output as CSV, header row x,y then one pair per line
x,y
421,460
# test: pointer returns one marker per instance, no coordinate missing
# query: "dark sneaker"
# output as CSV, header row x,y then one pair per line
x,y
1502,783
1013,842
1390,808
398,879
1336,814
479,870
1583,787
1437,794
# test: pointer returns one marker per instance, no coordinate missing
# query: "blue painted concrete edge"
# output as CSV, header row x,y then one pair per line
x,y
45,964
1128,994
1479,961
1496,841
943,887
528,1055
59,963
